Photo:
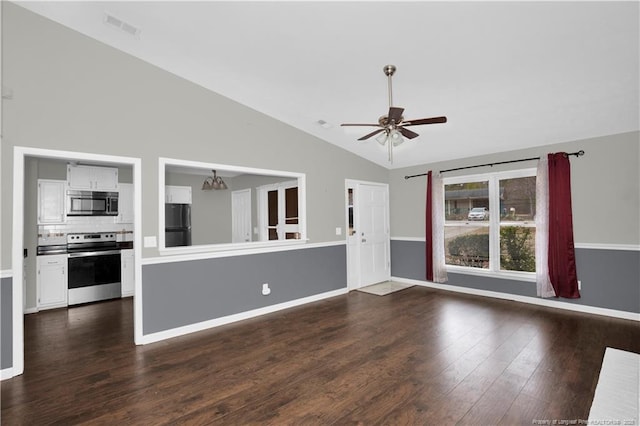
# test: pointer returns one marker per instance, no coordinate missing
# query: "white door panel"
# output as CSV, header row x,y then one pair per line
x,y
241,216
372,213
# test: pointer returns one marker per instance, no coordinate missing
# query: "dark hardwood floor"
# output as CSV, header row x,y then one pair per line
x,y
419,356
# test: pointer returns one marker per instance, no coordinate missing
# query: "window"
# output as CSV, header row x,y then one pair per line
x,y
490,222
278,211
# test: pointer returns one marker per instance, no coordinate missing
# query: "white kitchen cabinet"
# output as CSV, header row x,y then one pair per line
x,y
127,278
177,194
51,201
52,281
92,178
125,203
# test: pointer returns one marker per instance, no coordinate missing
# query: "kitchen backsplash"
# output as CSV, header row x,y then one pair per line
x,y
57,234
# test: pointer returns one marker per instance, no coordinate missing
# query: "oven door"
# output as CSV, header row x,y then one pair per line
x,y
94,276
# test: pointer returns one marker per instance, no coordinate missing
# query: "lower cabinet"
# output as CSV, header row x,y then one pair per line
x,y
52,281
128,272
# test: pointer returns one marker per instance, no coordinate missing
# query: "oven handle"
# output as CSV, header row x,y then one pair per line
x,y
94,253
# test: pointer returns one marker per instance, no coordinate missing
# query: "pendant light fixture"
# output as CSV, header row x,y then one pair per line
x,y
214,182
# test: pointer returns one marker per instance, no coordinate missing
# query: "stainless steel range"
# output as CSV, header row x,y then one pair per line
x,y
94,267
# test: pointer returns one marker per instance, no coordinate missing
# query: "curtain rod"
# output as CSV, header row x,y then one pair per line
x,y
577,154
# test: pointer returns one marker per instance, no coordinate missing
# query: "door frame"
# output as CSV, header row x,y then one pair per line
x,y
17,263
353,243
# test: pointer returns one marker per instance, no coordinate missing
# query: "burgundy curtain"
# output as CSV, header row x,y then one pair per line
x,y
562,258
429,228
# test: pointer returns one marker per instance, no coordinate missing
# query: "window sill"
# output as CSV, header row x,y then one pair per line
x,y
505,275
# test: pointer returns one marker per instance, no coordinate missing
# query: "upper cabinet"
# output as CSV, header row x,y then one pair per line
x,y
92,178
125,203
51,201
177,194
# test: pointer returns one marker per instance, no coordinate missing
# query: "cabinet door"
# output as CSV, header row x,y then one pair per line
x,y
125,203
79,177
52,281
177,194
51,201
92,178
105,178
128,273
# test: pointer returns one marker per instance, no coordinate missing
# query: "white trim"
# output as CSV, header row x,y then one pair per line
x,y
596,246
6,373
31,310
526,299
19,155
216,322
6,273
302,245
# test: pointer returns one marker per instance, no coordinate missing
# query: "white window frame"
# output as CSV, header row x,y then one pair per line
x,y
263,212
493,224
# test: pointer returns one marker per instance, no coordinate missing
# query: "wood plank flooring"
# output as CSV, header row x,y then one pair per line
x,y
418,356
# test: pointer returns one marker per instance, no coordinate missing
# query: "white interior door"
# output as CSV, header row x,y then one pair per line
x,y
368,248
241,216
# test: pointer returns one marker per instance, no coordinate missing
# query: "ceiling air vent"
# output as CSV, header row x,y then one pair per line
x,y
132,30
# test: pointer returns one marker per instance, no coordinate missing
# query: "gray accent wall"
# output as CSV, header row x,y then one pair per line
x,y
178,294
609,277
6,324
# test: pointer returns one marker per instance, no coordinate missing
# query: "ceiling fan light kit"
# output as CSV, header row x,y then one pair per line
x,y
392,127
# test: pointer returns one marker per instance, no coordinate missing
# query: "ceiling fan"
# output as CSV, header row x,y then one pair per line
x,y
393,126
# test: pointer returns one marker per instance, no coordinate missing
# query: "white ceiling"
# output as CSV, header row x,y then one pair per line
x,y
507,75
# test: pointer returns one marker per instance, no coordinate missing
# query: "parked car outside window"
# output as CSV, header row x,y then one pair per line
x,y
478,213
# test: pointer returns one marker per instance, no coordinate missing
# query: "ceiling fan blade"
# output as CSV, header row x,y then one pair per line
x,y
408,133
395,114
360,124
375,132
432,120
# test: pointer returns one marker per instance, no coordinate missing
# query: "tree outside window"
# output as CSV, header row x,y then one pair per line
x,y
490,221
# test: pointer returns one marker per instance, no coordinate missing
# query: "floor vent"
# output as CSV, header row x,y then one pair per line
x,y
132,30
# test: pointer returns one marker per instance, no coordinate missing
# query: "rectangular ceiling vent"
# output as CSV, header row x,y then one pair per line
x,y
116,22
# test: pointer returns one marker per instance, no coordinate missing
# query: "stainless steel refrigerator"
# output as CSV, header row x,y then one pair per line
x,y
177,225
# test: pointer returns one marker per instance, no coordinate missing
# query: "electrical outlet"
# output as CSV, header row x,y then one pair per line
x,y
265,289
579,285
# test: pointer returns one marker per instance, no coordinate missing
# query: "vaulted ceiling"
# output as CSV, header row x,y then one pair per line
x,y
507,75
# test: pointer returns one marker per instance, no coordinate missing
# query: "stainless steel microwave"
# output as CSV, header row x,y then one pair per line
x,y
92,203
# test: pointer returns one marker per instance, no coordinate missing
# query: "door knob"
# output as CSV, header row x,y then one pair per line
x,y
364,240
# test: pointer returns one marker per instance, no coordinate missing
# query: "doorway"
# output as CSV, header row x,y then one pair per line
x,y
18,238
368,235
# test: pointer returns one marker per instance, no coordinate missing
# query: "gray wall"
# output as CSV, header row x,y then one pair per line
x,y
605,185
179,294
609,277
73,93
210,210
6,324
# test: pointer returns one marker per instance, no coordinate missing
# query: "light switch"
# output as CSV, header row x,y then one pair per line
x,y
338,231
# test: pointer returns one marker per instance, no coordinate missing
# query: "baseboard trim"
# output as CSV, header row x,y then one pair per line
x,y
216,322
6,373
525,299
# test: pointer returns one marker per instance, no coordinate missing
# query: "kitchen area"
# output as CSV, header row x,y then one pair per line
x,y
78,233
